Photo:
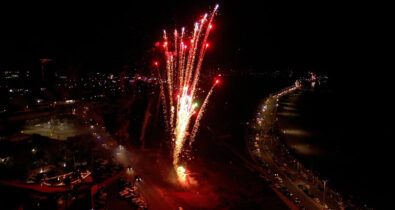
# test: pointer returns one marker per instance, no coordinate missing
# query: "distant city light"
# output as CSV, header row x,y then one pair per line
x,y
69,101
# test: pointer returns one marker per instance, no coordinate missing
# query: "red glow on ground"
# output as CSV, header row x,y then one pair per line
x,y
217,81
156,63
207,45
157,44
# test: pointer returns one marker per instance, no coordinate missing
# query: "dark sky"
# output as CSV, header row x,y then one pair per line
x,y
102,36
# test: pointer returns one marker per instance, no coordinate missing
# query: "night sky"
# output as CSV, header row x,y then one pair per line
x,y
104,37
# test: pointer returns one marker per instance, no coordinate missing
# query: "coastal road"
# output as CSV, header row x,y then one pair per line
x,y
264,149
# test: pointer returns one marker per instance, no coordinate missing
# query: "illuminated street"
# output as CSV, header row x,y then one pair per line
x,y
292,176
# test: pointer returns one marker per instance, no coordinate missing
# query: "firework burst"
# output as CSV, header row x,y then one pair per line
x,y
178,82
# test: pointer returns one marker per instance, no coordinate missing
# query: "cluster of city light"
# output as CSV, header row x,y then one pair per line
x,y
179,78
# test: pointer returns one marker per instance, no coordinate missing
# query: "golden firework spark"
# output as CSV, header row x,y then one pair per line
x,y
179,82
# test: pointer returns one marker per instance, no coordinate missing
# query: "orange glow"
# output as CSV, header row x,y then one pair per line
x,y
182,176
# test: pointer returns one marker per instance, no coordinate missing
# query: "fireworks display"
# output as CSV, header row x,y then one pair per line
x,y
179,78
